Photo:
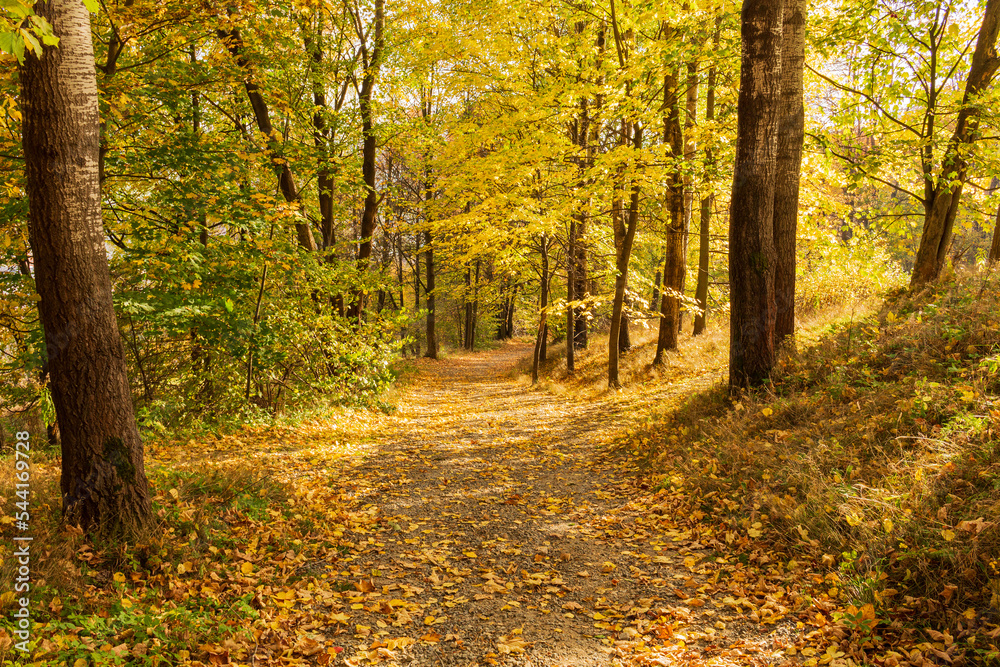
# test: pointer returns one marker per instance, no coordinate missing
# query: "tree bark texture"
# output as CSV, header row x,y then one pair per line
x,y
544,301
751,242
690,148
104,487
939,219
791,128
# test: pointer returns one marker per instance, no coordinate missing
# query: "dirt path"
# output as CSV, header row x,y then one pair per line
x,y
508,535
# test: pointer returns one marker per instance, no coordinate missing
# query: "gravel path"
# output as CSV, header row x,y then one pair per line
x,y
506,534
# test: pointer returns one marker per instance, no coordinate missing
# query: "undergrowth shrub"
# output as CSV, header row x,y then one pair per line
x,y
845,274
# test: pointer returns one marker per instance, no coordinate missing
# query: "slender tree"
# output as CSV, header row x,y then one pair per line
x,y
995,246
625,227
939,220
708,199
233,39
674,264
104,487
751,243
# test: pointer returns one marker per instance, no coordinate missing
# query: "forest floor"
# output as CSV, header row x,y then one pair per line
x,y
504,528
483,521
522,535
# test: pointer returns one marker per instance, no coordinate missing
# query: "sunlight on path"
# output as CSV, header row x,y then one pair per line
x,y
506,534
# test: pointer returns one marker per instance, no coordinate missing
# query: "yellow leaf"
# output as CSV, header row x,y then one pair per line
x,y
767,412
429,620
120,578
80,662
246,568
948,535
887,525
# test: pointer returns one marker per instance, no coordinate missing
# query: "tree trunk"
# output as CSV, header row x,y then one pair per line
x,y
543,313
322,133
627,237
690,148
578,256
233,40
791,126
580,327
368,148
432,343
539,338
570,298
939,219
751,230
656,288
624,340
104,487
467,342
673,265
995,248
701,289
475,311
510,313
544,300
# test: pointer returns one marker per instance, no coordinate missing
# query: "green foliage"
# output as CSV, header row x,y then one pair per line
x,y
21,29
833,273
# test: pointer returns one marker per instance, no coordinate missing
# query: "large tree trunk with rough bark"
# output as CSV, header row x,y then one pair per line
x,y
751,240
939,219
791,126
104,487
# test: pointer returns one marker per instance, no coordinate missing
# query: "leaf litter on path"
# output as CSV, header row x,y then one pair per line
x,y
482,524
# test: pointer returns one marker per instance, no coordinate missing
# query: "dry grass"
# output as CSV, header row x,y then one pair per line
x,y
875,445
697,355
53,549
